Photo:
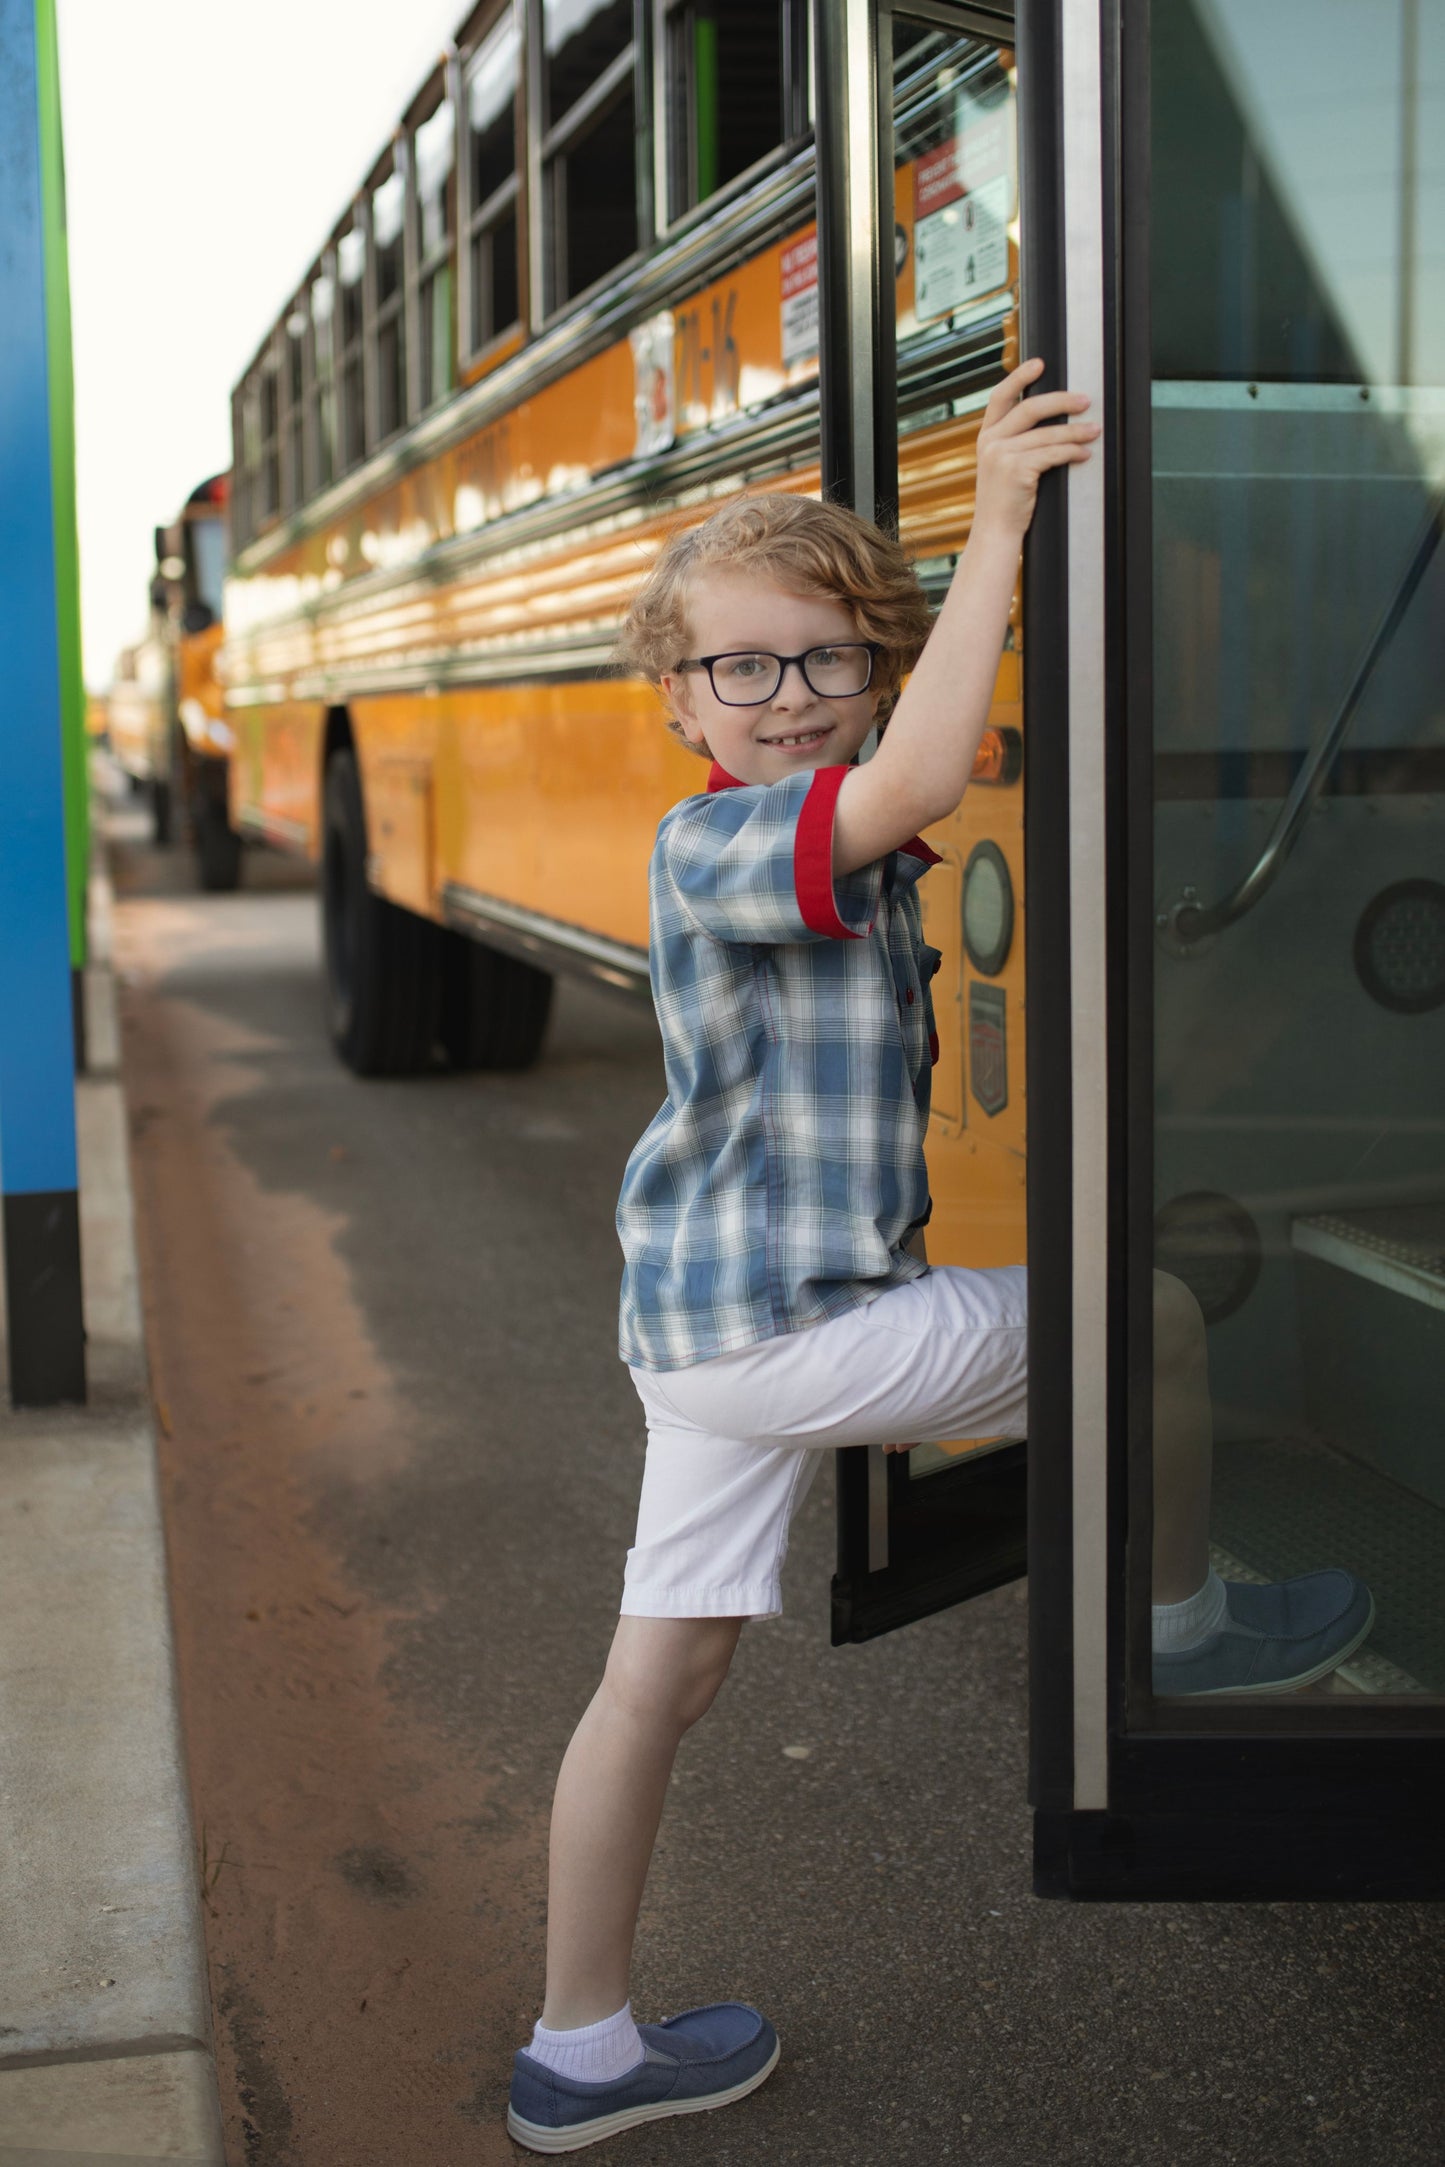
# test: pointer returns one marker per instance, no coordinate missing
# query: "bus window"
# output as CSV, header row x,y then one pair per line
x,y
267,499
351,360
323,381
293,465
240,471
434,156
388,242
493,75
206,544
955,196
589,151
725,93
583,39
1296,1129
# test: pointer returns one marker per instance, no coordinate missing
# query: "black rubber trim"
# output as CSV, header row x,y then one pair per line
x,y
1299,1856
1046,947
45,1319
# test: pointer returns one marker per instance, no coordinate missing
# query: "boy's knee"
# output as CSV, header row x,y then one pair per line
x,y
1179,1341
672,1667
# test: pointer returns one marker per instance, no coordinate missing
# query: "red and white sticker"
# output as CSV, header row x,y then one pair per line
x,y
652,401
962,203
799,301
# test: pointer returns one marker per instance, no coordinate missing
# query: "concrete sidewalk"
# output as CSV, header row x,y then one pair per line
x,y
105,2052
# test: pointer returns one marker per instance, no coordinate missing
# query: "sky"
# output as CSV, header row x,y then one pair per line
x,y
209,149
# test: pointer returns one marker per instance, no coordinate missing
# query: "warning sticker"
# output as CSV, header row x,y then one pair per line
x,y
800,301
962,203
652,402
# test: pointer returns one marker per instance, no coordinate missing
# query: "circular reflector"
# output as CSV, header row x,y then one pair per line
x,y
1210,1242
1400,947
988,909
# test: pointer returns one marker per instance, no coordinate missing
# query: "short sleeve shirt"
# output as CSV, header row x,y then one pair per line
x,y
777,1183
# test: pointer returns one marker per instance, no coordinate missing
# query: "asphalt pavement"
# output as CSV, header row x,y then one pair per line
x,y
399,1462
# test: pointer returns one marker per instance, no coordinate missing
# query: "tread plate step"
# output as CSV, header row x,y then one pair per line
x,y
1399,1246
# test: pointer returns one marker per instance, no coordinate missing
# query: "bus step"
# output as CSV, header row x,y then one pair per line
x,y
1371,1288
1292,1504
1366,1671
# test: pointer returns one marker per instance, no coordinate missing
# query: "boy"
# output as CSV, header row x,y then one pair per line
x,y
776,1301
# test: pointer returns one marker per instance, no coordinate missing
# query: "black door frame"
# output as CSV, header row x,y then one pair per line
x,y
905,1548
1268,1800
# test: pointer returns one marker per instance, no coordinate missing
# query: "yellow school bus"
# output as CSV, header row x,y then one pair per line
x,y
621,258
568,307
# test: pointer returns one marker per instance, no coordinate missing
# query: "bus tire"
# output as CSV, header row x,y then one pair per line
x,y
494,1007
218,846
160,797
383,964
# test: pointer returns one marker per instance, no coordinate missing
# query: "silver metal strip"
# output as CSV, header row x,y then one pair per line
x,y
456,90
543,938
533,57
1395,401
591,102
1082,165
561,663
861,212
1388,1265
272,694
989,22
275,828
664,213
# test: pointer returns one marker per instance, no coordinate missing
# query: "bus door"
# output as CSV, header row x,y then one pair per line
x,y
918,258
1234,932
1236,855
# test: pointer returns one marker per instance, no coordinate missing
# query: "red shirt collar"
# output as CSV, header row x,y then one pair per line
x,y
719,779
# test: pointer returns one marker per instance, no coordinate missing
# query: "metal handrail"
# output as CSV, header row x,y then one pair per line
x,y
1189,921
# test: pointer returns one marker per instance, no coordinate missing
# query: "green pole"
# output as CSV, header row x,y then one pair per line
x,y
62,468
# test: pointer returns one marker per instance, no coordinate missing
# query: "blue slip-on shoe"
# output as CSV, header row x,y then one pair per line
x,y
1276,1638
703,2058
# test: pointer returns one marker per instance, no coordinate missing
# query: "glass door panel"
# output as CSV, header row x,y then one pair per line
x,y
1297,901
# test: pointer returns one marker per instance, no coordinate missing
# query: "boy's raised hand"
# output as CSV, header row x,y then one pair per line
x,y
1015,448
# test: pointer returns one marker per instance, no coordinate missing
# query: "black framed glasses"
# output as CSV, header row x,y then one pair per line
x,y
750,677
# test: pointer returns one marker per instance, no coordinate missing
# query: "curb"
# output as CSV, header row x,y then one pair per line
x,y
105,2050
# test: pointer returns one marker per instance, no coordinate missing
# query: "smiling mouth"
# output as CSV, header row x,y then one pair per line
x,y
801,738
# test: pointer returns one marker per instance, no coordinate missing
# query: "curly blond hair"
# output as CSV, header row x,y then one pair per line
x,y
808,548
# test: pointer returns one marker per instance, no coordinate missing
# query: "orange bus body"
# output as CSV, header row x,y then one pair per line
x,y
479,590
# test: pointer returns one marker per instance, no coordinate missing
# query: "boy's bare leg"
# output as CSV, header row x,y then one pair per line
x,y
1183,1443
662,1674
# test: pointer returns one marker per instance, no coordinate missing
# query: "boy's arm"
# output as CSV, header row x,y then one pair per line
x,y
922,767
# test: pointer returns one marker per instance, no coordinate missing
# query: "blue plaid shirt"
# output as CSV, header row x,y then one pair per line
x,y
776,1185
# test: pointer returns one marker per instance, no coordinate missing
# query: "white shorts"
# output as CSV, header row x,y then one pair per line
x,y
733,1444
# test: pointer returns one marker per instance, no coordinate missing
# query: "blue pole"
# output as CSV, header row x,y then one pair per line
x,y
37,1061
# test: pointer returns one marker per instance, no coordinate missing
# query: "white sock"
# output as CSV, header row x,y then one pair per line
x,y
1178,1626
593,2053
